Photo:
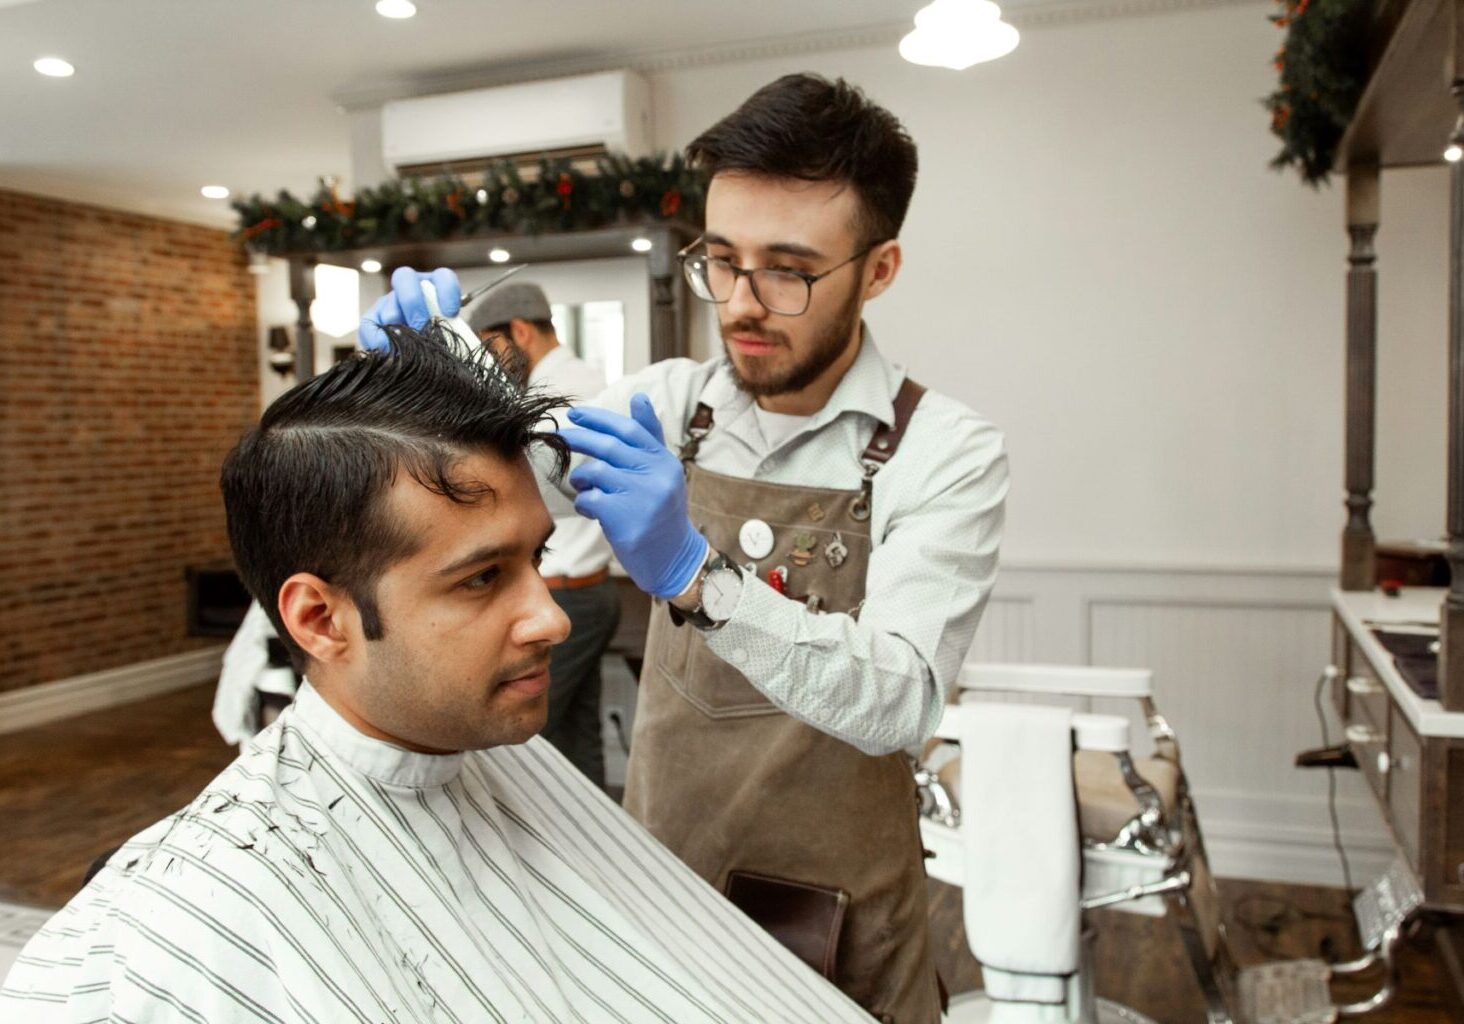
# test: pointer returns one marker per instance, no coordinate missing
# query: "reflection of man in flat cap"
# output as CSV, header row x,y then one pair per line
x,y
514,321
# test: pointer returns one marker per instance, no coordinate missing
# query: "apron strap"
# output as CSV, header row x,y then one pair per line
x,y
886,440
881,448
883,445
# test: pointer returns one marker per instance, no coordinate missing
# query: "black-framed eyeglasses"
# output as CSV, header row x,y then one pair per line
x,y
782,291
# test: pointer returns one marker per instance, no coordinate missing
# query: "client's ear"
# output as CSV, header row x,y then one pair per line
x,y
315,613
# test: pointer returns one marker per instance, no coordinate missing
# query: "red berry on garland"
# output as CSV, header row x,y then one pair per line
x,y
670,203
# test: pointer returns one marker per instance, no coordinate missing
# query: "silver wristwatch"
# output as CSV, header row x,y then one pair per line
x,y
721,586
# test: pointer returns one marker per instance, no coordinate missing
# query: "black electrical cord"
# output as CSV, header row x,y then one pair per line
x,y
1265,918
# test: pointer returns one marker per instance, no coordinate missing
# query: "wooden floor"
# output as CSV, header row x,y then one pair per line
x,y
73,789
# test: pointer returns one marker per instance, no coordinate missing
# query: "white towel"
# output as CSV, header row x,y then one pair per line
x,y
1019,822
245,661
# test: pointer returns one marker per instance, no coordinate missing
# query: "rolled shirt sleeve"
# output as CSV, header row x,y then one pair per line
x,y
878,681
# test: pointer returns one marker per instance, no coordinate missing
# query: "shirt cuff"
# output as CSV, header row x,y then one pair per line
x,y
759,636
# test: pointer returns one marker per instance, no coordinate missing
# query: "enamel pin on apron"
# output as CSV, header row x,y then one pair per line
x,y
756,539
778,579
816,512
835,551
802,553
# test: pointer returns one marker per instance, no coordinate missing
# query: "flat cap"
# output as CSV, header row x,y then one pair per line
x,y
515,300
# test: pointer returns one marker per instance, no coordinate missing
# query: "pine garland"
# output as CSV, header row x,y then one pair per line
x,y
560,197
1322,69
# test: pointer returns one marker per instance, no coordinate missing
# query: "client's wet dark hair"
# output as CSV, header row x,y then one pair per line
x,y
304,490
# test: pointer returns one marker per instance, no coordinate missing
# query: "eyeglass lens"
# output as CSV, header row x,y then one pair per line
x,y
714,280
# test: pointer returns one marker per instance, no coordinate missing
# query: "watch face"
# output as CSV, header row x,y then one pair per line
x,y
719,593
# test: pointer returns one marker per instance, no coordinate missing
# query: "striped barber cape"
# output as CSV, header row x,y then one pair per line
x,y
327,877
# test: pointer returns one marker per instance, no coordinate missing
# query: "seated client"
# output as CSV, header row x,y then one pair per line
x,y
396,846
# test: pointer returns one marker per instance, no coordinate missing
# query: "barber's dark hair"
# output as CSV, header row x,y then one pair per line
x,y
304,490
805,126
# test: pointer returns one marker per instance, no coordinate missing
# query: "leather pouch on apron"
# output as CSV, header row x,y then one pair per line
x,y
807,919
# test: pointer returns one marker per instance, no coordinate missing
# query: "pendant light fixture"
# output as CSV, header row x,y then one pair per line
x,y
957,34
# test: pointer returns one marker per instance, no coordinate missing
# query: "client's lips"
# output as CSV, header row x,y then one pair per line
x,y
530,685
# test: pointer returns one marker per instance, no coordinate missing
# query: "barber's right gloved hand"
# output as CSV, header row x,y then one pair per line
x,y
405,304
635,487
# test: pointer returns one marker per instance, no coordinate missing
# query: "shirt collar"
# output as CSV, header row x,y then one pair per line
x,y
376,759
546,361
868,387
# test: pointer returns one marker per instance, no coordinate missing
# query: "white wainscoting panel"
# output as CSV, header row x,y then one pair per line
x,y
1236,655
1008,631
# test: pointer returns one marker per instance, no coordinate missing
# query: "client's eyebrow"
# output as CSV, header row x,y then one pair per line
x,y
486,553
786,248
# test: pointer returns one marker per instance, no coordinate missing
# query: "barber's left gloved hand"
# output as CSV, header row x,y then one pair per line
x,y
405,304
634,486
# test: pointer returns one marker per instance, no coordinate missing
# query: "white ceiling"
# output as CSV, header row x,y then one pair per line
x,y
170,95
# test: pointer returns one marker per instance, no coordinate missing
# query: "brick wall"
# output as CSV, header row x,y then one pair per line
x,y
127,370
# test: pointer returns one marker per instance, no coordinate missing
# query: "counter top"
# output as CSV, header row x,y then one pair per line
x,y
1359,610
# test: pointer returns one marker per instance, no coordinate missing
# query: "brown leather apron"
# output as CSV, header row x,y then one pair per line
x,y
730,783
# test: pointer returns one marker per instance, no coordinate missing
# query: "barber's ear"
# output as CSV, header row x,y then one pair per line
x,y
318,616
882,266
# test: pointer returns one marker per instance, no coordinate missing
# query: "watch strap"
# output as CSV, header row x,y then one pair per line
x,y
698,617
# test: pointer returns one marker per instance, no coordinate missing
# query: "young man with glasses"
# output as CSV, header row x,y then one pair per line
x,y
822,533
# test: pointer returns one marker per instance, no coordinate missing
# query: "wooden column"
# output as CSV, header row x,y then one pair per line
x,y
1451,674
668,299
1358,571
302,291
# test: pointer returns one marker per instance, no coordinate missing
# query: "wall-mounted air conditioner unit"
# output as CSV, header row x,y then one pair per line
x,y
584,115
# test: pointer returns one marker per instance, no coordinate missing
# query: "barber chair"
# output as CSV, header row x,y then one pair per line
x,y
1141,852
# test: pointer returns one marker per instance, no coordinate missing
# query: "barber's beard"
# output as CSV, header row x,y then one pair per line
x,y
829,342
512,360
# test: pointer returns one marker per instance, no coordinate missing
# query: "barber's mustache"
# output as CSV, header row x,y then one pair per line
x,y
751,329
527,667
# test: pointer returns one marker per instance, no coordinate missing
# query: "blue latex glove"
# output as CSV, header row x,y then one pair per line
x,y
634,486
405,304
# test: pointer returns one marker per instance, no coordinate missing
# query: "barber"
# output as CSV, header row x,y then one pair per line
x,y
821,533
514,322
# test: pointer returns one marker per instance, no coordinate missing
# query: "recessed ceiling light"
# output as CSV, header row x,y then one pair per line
x,y
499,255
641,245
55,67
215,191
395,8
371,266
